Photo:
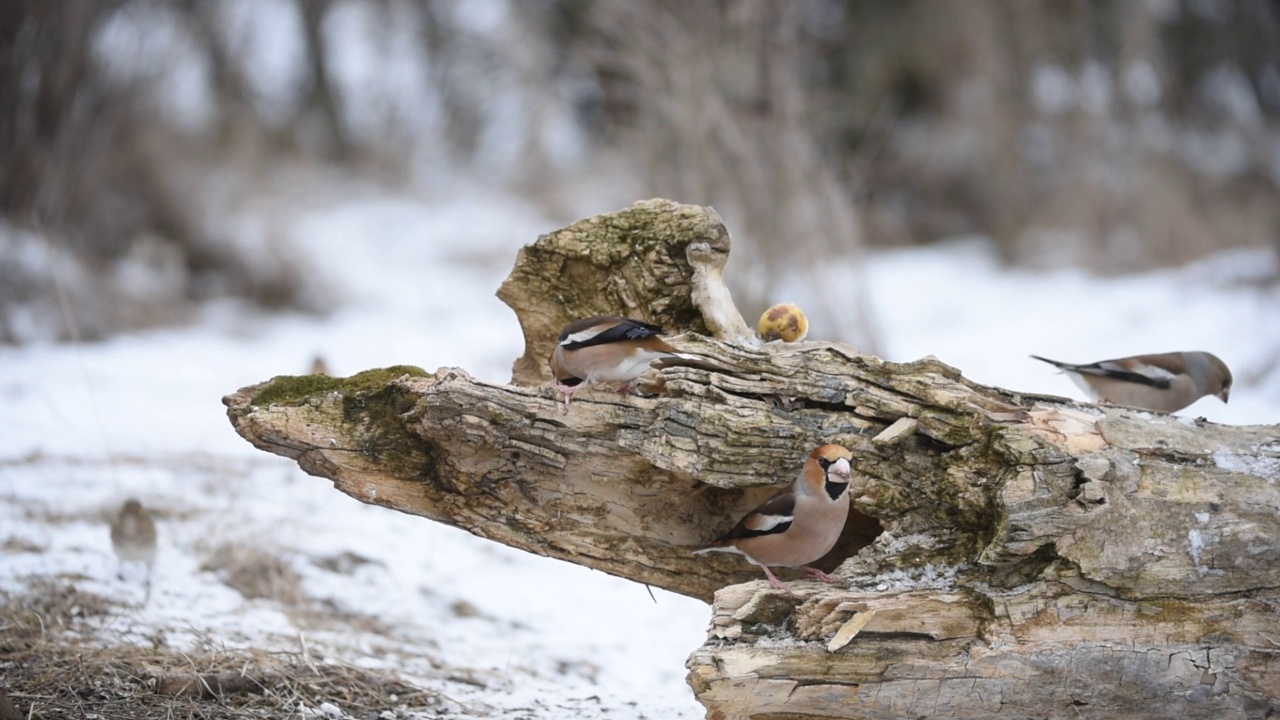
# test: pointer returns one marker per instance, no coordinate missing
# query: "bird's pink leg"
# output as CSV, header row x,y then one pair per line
x,y
816,573
774,581
567,391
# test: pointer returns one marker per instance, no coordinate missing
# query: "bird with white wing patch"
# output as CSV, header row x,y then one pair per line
x,y
605,349
799,524
1166,382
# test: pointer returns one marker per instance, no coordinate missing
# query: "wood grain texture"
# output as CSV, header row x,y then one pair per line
x,y
1040,558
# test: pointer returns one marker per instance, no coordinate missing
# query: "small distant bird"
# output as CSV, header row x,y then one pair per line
x,y
1167,382
605,350
133,537
319,366
799,524
785,322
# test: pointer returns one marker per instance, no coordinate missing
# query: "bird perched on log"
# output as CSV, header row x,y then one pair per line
x,y
133,538
1167,382
605,349
799,524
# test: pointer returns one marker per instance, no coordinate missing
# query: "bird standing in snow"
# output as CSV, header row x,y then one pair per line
x,y
606,350
133,538
1167,382
799,524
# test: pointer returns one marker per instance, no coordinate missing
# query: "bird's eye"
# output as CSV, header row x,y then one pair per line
x,y
824,463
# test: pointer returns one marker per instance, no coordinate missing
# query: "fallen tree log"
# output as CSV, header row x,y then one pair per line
x,y
1011,555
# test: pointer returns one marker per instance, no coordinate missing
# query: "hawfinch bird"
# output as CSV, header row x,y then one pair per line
x,y
1165,383
799,524
605,349
133,537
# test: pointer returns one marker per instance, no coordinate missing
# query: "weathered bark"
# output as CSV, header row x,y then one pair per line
x,y
1041,558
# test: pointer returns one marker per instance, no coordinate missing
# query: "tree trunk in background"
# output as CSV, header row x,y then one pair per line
x,y
50,95
1040,558
320,97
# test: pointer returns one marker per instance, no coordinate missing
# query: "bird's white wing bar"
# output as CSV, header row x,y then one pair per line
x,y
583,335
762,524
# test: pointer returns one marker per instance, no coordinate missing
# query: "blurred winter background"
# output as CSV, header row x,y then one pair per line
x,y
196,196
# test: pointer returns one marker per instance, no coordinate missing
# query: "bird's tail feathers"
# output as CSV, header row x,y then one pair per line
x,y
1056,363
716,548
683,359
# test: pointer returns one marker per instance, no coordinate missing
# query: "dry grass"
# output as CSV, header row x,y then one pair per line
x,y
256,573
48,669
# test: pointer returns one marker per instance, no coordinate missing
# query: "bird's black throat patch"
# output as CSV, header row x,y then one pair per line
x,y
835,489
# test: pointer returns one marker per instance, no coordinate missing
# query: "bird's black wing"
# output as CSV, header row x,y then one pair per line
x,y
579,334
773,517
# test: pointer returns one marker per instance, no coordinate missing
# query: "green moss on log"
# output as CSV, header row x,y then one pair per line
x,y
294,389
375,415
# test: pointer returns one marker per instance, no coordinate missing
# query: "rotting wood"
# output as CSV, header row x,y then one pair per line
x,y
1042,558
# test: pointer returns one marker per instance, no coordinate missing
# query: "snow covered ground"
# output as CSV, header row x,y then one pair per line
x,y
504,633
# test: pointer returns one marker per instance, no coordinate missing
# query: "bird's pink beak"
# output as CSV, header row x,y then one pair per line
x,y
841,468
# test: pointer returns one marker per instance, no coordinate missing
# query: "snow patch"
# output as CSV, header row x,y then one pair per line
x,y
1258,465
1196,548
927,577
